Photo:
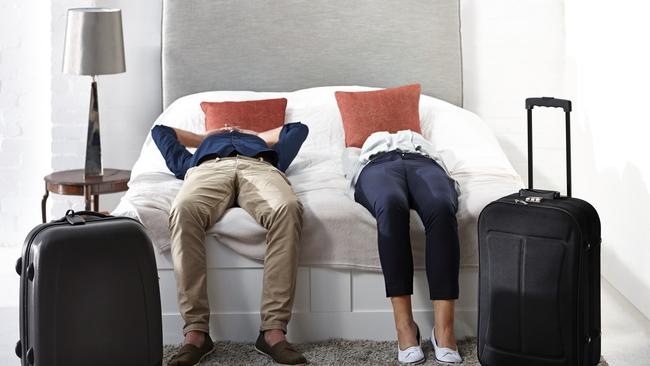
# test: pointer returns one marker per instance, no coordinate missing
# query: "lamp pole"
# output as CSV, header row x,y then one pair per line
x,y
94,166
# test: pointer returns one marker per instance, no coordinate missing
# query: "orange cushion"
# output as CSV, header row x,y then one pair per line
x,y
366,112
255,115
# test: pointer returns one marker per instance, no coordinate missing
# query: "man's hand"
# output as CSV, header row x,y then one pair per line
x,y
230,129
250,132
224,129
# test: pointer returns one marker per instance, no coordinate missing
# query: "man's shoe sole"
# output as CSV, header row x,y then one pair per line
x,y
277,363
205,355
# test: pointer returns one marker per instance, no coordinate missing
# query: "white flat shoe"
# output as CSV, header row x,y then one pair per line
x,y
443,354
412,355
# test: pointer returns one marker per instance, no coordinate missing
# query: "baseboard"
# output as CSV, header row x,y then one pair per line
x,y
314,327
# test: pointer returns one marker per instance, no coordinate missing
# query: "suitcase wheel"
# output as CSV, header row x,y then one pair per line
x,y
30,356
30,271
19,266
19,349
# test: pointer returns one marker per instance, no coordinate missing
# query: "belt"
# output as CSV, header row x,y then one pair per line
x,y
396,152
238,155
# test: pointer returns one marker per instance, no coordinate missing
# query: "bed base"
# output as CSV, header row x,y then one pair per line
x,y
329,302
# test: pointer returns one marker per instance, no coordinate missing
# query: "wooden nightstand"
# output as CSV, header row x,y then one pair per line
x,y
73,182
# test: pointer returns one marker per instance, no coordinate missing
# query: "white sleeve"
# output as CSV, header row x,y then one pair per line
x,y
351,162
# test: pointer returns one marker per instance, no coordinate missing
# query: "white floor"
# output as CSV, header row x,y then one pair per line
x,y
626,332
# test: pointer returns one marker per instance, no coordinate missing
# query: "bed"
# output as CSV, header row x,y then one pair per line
x,y
304,51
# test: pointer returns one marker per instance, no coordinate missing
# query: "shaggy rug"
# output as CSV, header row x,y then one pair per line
x,y
333,352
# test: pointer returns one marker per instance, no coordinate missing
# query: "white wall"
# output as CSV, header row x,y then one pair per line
x,y
512,49
130,102
608,60
24,115
121,138
70,103
24,143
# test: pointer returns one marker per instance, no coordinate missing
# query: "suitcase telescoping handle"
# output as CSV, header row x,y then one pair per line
x,y
554,103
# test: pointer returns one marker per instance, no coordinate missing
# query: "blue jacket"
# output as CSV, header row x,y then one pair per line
x,y
179,160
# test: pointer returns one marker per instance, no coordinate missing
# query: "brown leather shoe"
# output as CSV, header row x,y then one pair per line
x,y
282,352
190,355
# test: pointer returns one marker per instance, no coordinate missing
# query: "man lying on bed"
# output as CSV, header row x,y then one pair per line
x,y
232,166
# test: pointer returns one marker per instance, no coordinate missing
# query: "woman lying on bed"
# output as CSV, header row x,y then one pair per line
x,y
396,172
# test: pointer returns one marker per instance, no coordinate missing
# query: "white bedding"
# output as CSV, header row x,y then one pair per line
x,y
337,231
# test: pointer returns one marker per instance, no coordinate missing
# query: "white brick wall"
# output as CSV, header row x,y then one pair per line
x,y
24,116
70,100
24,143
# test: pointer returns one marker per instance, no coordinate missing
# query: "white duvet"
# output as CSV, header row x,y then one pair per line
x,y
337,231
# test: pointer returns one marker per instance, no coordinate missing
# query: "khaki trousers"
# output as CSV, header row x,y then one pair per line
x,y
265,193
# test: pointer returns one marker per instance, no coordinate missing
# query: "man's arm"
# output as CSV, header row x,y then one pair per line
x,y
187,138
288,142
177,158
271,137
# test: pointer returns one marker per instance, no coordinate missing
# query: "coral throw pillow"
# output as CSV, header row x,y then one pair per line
x,y
255,115
391,110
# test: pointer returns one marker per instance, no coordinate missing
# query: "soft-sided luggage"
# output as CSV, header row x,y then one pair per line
x,y
89,294
539,275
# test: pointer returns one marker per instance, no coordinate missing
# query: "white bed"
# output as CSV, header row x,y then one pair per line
x,y
340,290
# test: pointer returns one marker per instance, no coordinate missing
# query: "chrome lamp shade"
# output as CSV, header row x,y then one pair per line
x,y
94,46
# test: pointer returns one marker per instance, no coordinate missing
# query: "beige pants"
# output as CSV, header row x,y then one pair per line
x,y
265,193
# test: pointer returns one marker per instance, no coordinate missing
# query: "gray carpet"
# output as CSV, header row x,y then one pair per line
x,y
334,352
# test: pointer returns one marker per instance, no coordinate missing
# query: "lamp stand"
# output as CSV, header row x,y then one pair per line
x,y
93,143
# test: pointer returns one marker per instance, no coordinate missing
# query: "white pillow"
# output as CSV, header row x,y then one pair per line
x,y
465,142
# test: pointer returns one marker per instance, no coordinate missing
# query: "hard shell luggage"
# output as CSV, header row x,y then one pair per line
x,y
539,274
89,294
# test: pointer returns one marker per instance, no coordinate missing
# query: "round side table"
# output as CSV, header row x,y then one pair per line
x,y
75,183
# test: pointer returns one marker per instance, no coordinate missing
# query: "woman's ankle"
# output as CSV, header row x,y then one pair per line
x,y
406,335
445,337
405,325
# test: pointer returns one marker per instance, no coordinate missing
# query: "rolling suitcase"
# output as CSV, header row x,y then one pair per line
x,y
539,273
89,294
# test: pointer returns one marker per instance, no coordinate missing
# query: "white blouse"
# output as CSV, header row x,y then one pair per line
x,y
355,159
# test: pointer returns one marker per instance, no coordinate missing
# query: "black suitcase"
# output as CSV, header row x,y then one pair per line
x,y
539,274
89,294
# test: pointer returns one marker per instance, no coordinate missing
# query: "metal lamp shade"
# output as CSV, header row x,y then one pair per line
x,y
94,43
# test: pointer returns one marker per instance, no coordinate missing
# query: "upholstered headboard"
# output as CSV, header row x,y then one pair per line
x,y
285,45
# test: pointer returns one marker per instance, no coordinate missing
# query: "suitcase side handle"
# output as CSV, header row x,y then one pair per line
x,y
548,102
555,103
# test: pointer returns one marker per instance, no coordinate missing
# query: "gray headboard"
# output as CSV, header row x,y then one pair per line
x,y
285,45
